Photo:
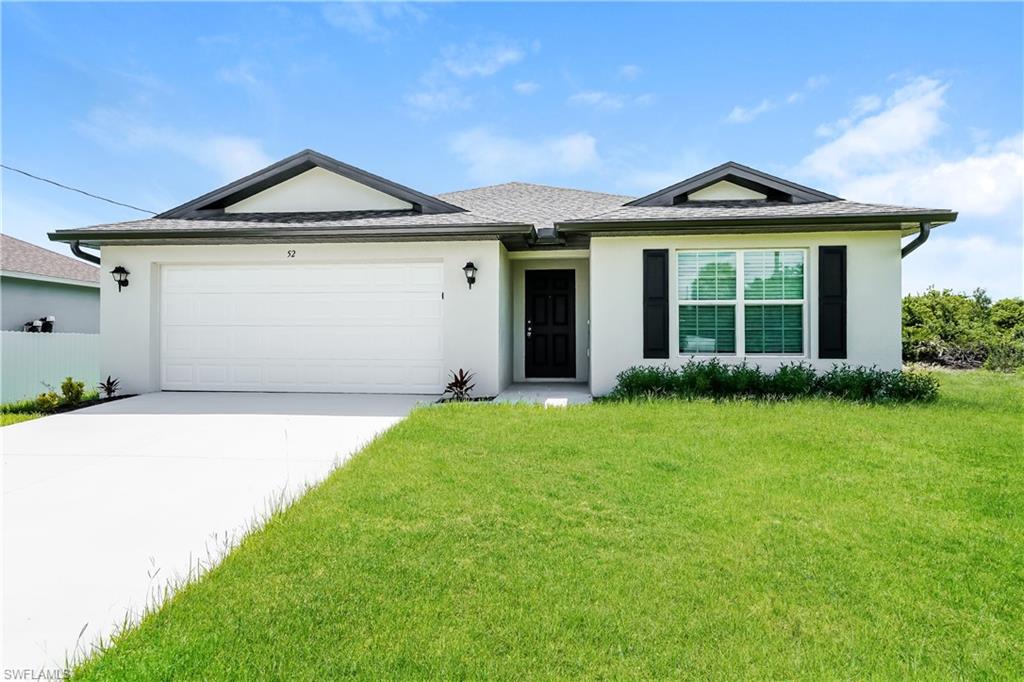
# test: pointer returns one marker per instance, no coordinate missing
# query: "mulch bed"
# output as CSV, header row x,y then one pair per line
x,y
90,403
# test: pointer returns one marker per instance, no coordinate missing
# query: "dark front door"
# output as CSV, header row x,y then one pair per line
x,y
551,324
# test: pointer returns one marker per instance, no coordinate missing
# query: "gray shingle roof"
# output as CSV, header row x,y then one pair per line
x,y
753,210
339,220
539,205
500,209
20,256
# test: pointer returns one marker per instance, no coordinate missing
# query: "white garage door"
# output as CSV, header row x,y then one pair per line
x,y
354,327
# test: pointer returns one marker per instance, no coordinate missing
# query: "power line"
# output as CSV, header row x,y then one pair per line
x,y
75,189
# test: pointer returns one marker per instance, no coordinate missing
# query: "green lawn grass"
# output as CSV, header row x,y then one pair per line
x,y
684,539
6,419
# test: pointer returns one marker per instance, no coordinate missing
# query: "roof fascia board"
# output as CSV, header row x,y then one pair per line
x,y
752,225
296,164
47,278
749,177
374,233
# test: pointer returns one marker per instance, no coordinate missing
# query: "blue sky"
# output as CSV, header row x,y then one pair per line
x,y
153,104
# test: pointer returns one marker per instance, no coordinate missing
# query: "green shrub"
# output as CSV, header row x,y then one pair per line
x,y
910,386
852,383
961,331
27,406
72,391
791,381
643,381
1005,356
712,379
48,402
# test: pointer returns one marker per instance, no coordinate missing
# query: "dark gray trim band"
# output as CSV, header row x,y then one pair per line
x,y
750,225
376,233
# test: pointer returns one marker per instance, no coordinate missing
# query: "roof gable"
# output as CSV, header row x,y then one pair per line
x,y
371,191
318,190
754,181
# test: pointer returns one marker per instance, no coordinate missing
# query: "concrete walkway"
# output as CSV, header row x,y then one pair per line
x,y
102,506
551,394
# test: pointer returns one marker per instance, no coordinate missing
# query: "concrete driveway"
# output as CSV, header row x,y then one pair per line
x,y
103,505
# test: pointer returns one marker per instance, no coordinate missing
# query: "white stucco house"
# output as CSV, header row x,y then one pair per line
x,y
313,275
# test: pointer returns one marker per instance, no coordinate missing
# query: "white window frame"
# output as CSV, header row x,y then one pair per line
x,y
740,304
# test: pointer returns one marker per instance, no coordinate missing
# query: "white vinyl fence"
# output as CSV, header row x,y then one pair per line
x,y
30,360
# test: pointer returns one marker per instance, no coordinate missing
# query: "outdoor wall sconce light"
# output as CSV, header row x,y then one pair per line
x,y
470,271
120,276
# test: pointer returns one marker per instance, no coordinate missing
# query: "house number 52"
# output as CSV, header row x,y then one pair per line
x,y
291,253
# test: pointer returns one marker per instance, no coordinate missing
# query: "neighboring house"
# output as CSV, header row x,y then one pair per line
x,y
37,283
312,275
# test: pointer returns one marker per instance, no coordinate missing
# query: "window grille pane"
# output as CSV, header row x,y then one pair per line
x,y
707,329
773,275
774,328
706,275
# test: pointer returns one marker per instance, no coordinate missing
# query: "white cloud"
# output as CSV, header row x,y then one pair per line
x,y
742,114
746,115
950,261
862,106
473,59
241,74
230,156
441,87
987,182
491,157
909,121
630,72
609,101
893,157
371,21
816,82
526,87
865,105
598,99
440,99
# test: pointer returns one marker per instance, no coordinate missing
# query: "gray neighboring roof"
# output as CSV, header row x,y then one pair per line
x,y
768,214
539,205
776,188
297,164
17,256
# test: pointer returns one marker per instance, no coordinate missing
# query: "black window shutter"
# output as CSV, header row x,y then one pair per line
x,y
832,302
656,303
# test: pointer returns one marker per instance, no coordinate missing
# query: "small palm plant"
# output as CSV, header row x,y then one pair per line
x,y
460,386
108,386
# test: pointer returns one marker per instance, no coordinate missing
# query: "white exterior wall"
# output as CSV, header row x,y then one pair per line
x,y
505,344
318,190
130,324
616,290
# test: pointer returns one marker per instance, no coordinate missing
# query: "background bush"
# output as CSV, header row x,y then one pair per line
x,y
957,330
714,380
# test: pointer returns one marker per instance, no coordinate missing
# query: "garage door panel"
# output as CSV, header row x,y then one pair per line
x,y
325,327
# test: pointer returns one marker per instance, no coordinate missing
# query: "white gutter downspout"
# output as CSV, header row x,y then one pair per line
x,y
921,238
